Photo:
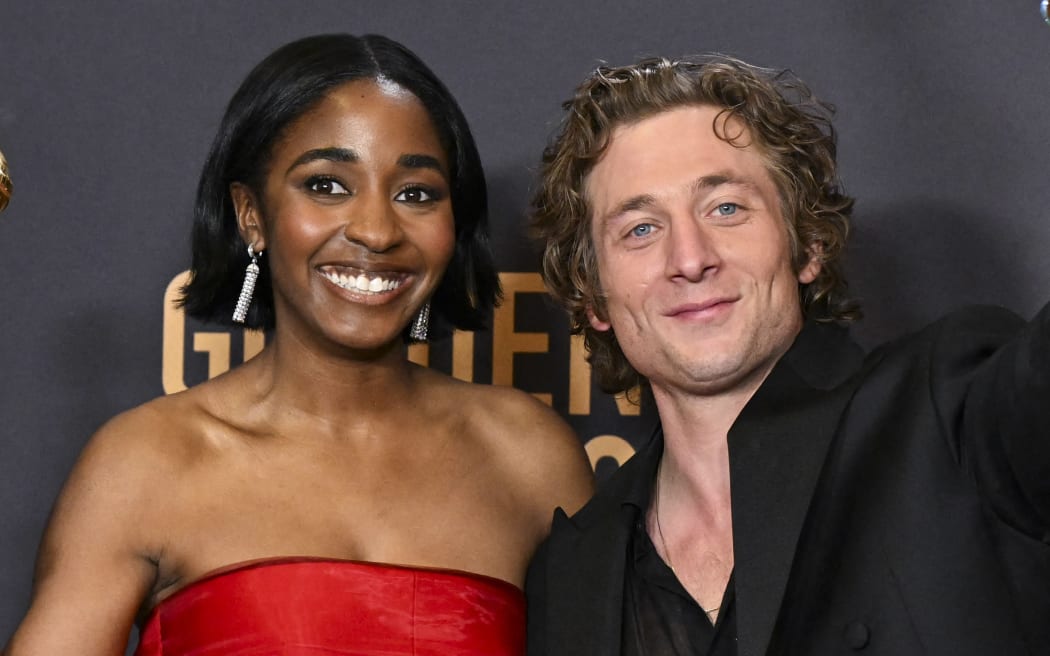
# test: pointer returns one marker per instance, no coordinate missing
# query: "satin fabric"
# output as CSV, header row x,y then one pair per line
x,y
319,606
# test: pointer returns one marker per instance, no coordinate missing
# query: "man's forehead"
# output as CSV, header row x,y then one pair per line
x,y
714,119
677,151
719,132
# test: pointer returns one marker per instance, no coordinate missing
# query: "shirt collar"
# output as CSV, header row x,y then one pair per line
x,y
823,355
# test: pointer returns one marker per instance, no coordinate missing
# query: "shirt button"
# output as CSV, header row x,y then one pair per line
x,y
857,635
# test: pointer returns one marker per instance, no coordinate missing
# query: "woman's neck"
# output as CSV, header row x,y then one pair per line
x,y
336,387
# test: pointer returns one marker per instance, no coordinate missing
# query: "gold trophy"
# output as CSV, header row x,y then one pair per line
x,y
5,183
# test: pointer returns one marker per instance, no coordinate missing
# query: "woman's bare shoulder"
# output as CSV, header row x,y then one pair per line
x,y
158,429
507,413
149,445
124,475
547,458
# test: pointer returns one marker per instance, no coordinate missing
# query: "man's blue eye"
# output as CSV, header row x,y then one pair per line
x,y
727,209
641,230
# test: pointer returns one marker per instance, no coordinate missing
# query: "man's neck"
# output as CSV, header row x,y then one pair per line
x,y
695,426
690,519
695,461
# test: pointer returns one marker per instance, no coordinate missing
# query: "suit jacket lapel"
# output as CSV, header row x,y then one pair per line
x,y
589,552
776,451
592,562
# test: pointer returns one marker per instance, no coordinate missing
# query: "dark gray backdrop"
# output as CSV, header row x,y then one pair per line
x,y
107,110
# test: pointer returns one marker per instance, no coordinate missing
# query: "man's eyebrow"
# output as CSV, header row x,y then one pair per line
x,y
701,184
332,154
632,204
708,182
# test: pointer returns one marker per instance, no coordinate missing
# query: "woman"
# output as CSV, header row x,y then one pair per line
x,y
328,496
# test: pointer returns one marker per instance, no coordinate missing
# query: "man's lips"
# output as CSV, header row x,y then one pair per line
x,y
701,309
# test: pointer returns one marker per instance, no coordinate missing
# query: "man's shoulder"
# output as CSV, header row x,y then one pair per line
x,y
976,327
628,485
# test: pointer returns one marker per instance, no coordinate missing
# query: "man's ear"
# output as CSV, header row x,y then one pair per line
x,y
601,325
249,218
811,270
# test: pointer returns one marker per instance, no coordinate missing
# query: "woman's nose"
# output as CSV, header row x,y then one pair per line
x,y
374,223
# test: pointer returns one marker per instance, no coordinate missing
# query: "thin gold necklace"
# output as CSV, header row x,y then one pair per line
x,y
663,542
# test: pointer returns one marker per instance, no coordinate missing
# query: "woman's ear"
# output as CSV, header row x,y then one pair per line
x,y
249,218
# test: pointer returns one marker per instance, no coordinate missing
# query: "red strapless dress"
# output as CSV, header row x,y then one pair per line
x,y
314,606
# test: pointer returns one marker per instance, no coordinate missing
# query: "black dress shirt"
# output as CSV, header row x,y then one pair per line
x,y
660,617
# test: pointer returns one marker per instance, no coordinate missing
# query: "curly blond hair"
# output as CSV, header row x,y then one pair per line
x,y
791,129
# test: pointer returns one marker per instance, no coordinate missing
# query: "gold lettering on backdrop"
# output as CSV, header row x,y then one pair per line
x,y
215,344
419,354
172,369
608,446
579,377
254,341
580,384
505,341
462,355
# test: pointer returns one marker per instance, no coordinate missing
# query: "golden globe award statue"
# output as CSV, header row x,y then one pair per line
x,y
5,183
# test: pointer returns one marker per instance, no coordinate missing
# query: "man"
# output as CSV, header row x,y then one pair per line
x,y
799,497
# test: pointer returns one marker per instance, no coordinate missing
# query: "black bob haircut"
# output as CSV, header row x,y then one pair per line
x,y
284,86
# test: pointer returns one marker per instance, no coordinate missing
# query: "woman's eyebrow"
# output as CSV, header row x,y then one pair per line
x,y
331,154
421,161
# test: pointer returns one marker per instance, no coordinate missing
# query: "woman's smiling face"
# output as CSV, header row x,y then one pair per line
x,y
355,216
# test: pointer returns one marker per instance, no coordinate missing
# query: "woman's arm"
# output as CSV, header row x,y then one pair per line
x,y
93,570
554,469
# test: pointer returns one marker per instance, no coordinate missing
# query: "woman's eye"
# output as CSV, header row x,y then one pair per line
x,y
727,209
326,186
417,195
642,230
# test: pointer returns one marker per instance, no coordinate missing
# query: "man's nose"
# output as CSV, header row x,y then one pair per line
x,y
692,249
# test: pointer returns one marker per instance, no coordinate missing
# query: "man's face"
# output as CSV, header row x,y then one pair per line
x,y
693,254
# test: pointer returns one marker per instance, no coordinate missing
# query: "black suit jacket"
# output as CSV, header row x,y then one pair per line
x,y
896,503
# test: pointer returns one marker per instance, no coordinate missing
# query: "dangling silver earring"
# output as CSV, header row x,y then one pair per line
x,y
251,274
418,332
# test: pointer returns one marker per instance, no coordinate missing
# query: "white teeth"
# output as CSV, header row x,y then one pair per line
x,y
362,283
